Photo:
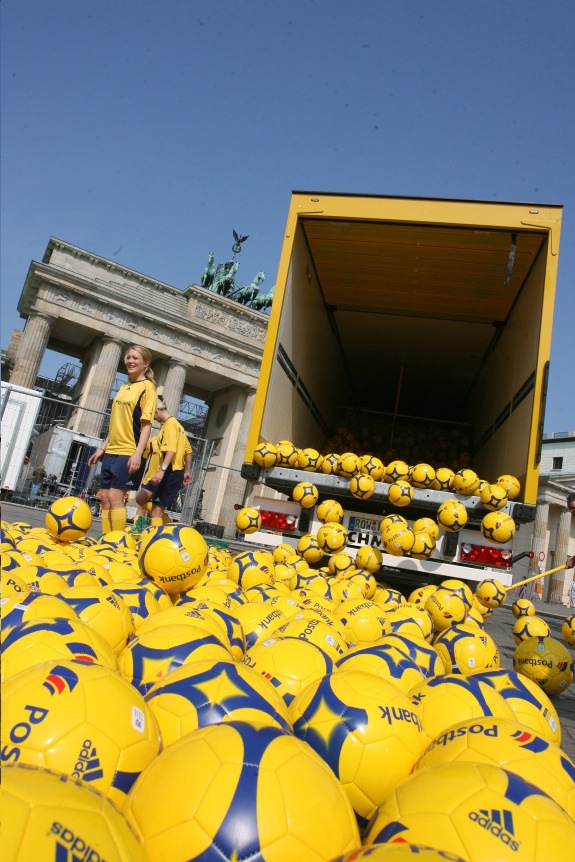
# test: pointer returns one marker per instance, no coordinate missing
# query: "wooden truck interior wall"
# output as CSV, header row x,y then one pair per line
x,y
504,392
308,379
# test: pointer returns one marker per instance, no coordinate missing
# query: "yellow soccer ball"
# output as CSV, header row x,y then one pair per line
x,y
498,528
362,486
255,786
385,661
465,482
568,630
467,649
546,661
372,466
506,743
68,518
308,547
400,493
155,652
289,663
511,484
478,809
493,497
175,557
20,607
422,476
250,568
529,703
347,465
452,516
365,728
80,719
54,639
329,512
446,608
368,558
309,459
444,700
103,611
332,537
424,545
248,520
443,479
529,627
206,692
426,525
490,593
306,494
399,542
420,651
317,627
396,470
363,621
53,816
390,521
523,608
287,454
265,455
329,463
459,587
117,539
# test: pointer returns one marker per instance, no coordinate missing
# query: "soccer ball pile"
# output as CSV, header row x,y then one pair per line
x,y
218,705
362,472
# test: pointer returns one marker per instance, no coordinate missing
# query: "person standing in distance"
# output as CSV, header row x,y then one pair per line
x,y
570,564
168,468
129,431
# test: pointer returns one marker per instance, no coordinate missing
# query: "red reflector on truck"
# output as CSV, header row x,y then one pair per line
x,y
278,521
485,555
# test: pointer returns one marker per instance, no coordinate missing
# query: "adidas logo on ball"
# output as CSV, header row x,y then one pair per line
x,y
88,767
72,847
499,823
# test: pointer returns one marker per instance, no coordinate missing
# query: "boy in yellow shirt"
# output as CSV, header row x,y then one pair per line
x,y
169,468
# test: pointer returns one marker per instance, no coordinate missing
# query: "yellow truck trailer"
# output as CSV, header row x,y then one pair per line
x,y
414,328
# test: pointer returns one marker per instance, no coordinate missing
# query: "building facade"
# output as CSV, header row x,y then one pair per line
x,y
203,344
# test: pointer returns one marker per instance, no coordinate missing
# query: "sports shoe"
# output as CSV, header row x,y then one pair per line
x,y
140,524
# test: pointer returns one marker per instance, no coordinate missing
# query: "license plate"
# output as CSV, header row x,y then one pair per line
x,y
358,522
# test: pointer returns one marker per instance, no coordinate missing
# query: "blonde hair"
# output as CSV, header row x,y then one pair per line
x,y
146,356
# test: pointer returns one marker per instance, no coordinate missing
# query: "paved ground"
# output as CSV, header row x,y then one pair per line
x,y
499,625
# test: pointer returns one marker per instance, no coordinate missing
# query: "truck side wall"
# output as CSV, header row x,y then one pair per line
x,y
312,349
511,368
19,411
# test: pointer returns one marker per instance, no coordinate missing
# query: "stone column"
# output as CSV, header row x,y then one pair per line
x,y
31,349
173,388
235,486
98,386
539,543
561,581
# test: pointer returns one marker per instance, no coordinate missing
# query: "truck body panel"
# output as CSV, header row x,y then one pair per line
x,y
420,326
64,454
20,407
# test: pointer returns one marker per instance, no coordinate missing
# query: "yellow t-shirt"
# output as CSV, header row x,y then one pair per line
x,y
172,438
133,403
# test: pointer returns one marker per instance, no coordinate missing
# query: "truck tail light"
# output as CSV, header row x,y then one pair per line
x,y
278,521
283,521
485,555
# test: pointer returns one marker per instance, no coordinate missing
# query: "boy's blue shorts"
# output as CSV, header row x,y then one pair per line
x,y
166,492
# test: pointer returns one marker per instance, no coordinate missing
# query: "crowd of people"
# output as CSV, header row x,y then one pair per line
x,y
129,446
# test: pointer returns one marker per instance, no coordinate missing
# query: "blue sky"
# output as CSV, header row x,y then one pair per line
x,y
146,130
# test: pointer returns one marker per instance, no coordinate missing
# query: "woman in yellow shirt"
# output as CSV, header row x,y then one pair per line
x,y
122,451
